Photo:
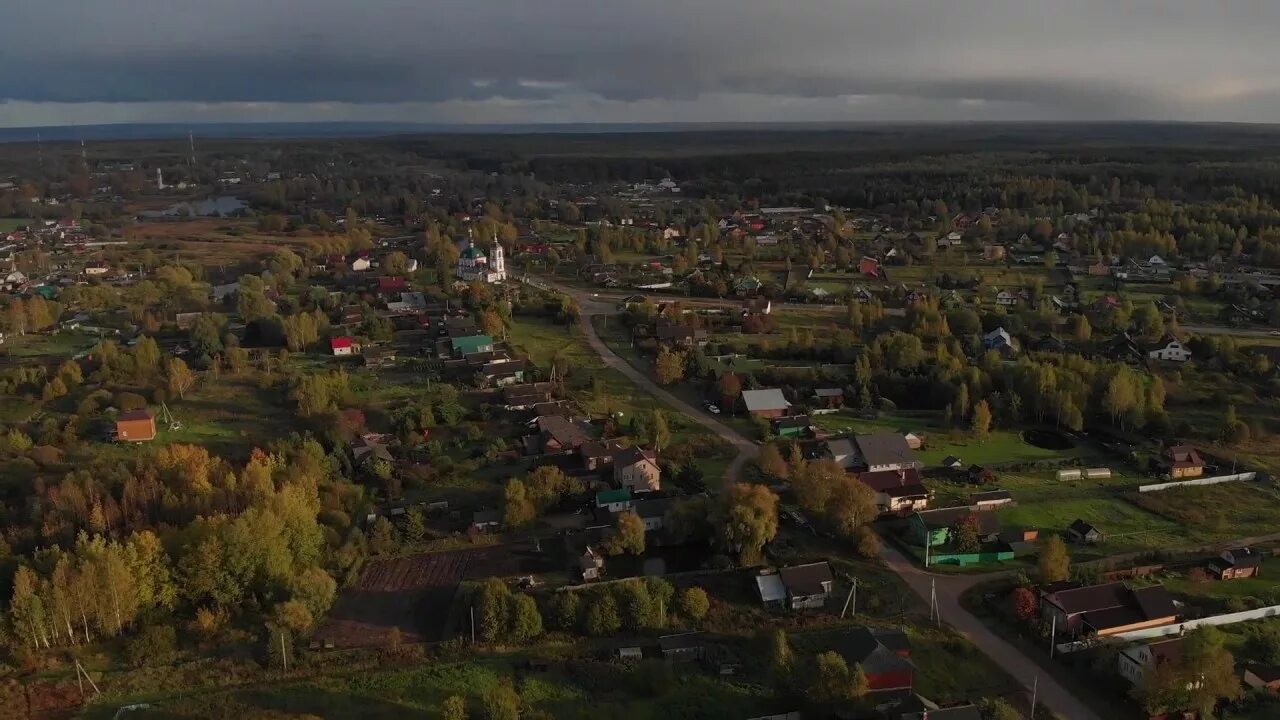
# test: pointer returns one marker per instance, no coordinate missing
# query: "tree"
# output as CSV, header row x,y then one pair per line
x,y
781,658
454,707
669,367
501,702
415,525
981,424
563,610
494,606
518,510
178,376
829,681
601,617
395,263
492,324
998,709
867,542
1054,562
659,431
968,534
628,535
694,604
1210,669
771,463
1025,603
747,518
852,504
526,621
730,387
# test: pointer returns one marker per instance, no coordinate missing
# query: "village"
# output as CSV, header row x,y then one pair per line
x,y
812,461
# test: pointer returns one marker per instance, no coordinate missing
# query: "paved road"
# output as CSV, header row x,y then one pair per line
x,y
1228,330
590,307
1023,669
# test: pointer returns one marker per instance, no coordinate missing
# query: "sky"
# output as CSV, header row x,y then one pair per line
x,y
70,62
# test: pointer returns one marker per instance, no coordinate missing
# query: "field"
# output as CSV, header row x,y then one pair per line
x,y
1000,446
411,593
11,224
574,690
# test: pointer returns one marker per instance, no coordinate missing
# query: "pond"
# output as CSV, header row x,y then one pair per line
x,y
222,206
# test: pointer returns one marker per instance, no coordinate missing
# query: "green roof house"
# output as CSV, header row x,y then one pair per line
x,y
472,344
614,500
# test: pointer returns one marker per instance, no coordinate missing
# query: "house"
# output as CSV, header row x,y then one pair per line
x,y
683,647
992,252
343,346
653,512
747,285
1106,609
1181,462
897,490
560,434
842,451
978,475
681,335
591,563
869,266
218,293
1084,533
1007,298
914,441
952,462
637,470
772,592
1236,563
1262,676
795,426
523,397
1099,269
1156,261
467,344
378,357
885,657
1137,661
392,284
370,447
1169,349
136,426
990,500
1000,340
936,527
757,306
829,397
613,501
807,586
361,264
884,451
596,455
767,403
486,520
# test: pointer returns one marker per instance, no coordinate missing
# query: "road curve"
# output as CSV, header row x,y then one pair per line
x,y
1023,669
949,587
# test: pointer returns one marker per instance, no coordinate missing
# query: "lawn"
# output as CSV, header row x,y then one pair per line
x,y
579,691
1000,446
11,224
61,344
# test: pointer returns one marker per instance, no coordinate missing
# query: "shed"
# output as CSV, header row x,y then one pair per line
x,y
772,591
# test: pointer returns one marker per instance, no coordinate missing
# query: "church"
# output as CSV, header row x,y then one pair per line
x,y
474,264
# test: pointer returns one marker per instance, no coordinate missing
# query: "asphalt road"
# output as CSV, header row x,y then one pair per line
x,y
949,588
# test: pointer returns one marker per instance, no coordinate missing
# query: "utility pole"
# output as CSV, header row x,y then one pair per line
x,y
473,624
934,613
848,598
1053,633
284,654
1035,687
191,140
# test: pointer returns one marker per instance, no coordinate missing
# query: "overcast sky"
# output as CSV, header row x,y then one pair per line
x,y
68,62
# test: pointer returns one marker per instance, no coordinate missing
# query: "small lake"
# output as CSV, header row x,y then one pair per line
x,y
223,206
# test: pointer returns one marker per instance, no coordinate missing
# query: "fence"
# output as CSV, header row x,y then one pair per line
x,y
1227,619
1215,480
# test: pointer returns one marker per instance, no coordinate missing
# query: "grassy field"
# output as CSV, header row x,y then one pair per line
x,y
11,224
1000,446
60,344
582,691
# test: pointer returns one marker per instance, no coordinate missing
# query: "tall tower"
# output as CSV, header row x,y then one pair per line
x,y
497,265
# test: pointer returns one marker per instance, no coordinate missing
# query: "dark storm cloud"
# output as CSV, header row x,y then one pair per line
x,y
1089,58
